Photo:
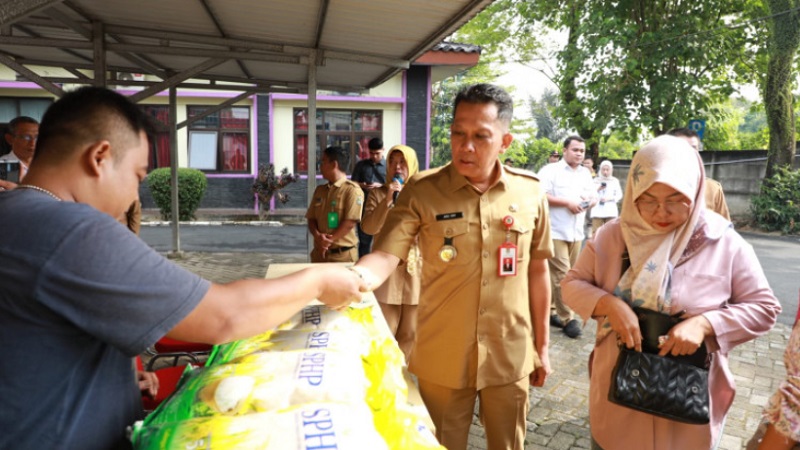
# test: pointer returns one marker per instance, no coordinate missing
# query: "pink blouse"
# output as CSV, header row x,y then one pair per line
x,y
723,281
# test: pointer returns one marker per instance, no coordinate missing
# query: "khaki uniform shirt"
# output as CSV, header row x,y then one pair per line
x,y
343,197
403,285
715,198
474,327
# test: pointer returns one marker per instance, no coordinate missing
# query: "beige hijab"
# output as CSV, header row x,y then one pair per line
x,y
653,254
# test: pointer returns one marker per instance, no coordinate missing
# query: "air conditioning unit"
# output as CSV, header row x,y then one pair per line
x,y
128,76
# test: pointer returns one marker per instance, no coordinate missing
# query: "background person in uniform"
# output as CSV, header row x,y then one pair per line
x,y
22,134
398,296
334,211
370,174
81,296
715,197
479,335
685,261
570,193
554,157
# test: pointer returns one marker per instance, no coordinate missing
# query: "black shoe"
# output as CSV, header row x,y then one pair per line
x,y
572,329
556,321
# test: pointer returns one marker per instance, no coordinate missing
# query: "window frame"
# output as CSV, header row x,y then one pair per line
x,y
323,134
221,132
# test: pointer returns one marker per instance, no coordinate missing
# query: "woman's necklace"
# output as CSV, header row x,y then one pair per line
x,y
37,188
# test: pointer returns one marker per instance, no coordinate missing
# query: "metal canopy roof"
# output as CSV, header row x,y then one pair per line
x,y
269,45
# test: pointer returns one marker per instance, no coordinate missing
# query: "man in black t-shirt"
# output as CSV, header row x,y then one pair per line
x,y
369,173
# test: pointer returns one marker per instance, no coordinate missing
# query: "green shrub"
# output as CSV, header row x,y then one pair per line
x,y
191,188
777,206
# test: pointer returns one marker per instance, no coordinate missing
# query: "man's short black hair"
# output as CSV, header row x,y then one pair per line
x,y
90,114
574,137
683,132
375,144
338,154
12,126
487,93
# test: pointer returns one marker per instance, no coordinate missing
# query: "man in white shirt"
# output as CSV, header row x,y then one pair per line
x,y
570,193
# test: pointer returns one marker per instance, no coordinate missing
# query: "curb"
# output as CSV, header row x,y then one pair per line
x,y
252,223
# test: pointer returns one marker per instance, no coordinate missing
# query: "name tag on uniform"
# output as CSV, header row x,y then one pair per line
x,y
450,216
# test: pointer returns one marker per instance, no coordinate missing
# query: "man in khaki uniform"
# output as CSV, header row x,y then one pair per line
x,y
715,198
334,211
482,325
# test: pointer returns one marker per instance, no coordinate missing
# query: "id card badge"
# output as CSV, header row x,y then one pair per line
x,y
507,263
508,260
333,220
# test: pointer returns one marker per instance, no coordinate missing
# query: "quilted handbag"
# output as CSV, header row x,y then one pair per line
x,y
660,386
675,388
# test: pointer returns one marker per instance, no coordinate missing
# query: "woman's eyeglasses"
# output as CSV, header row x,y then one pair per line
x,y
650,207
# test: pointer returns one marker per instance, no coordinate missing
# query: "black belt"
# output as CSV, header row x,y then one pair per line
x,y
340,249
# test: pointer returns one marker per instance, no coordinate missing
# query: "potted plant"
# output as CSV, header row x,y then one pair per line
x,y
268,184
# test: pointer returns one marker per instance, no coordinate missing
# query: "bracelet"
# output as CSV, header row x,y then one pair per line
x,y
358,271
363,274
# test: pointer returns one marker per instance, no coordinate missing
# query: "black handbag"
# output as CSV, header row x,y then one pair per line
x,y
673,387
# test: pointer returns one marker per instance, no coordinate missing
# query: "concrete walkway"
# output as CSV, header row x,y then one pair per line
x,y
559,410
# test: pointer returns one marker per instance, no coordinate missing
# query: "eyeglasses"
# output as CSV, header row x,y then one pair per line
x,y
650,207
27,137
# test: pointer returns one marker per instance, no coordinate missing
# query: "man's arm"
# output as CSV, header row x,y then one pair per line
x,y
376,267
539,304
245,308
345,226
572,205
7,185
319,240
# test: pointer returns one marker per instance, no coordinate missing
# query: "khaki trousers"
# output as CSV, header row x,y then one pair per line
x,y
565,255
598,222
345,256
402,321
502,412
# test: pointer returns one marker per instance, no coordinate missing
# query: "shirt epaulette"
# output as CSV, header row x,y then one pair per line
x,y
523,172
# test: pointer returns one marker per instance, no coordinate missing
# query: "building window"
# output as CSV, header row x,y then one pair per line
x,y
350,129
11,107
159,155
220,142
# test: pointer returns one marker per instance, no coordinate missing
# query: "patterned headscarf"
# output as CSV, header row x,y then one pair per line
x,y
653,254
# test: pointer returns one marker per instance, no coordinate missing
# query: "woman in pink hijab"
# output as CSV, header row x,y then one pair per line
x,y
684,259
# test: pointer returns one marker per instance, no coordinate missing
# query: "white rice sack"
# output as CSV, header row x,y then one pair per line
x,y
314,426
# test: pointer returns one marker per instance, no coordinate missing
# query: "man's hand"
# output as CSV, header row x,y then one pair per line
x,y
148,383
575,207
340,286
7,185
539,376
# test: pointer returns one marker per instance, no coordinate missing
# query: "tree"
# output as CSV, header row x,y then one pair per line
x,y
499,35
548,126
782,44
631,65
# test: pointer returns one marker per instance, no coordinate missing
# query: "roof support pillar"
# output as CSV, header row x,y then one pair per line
x,y
312,135
99,41
173,169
